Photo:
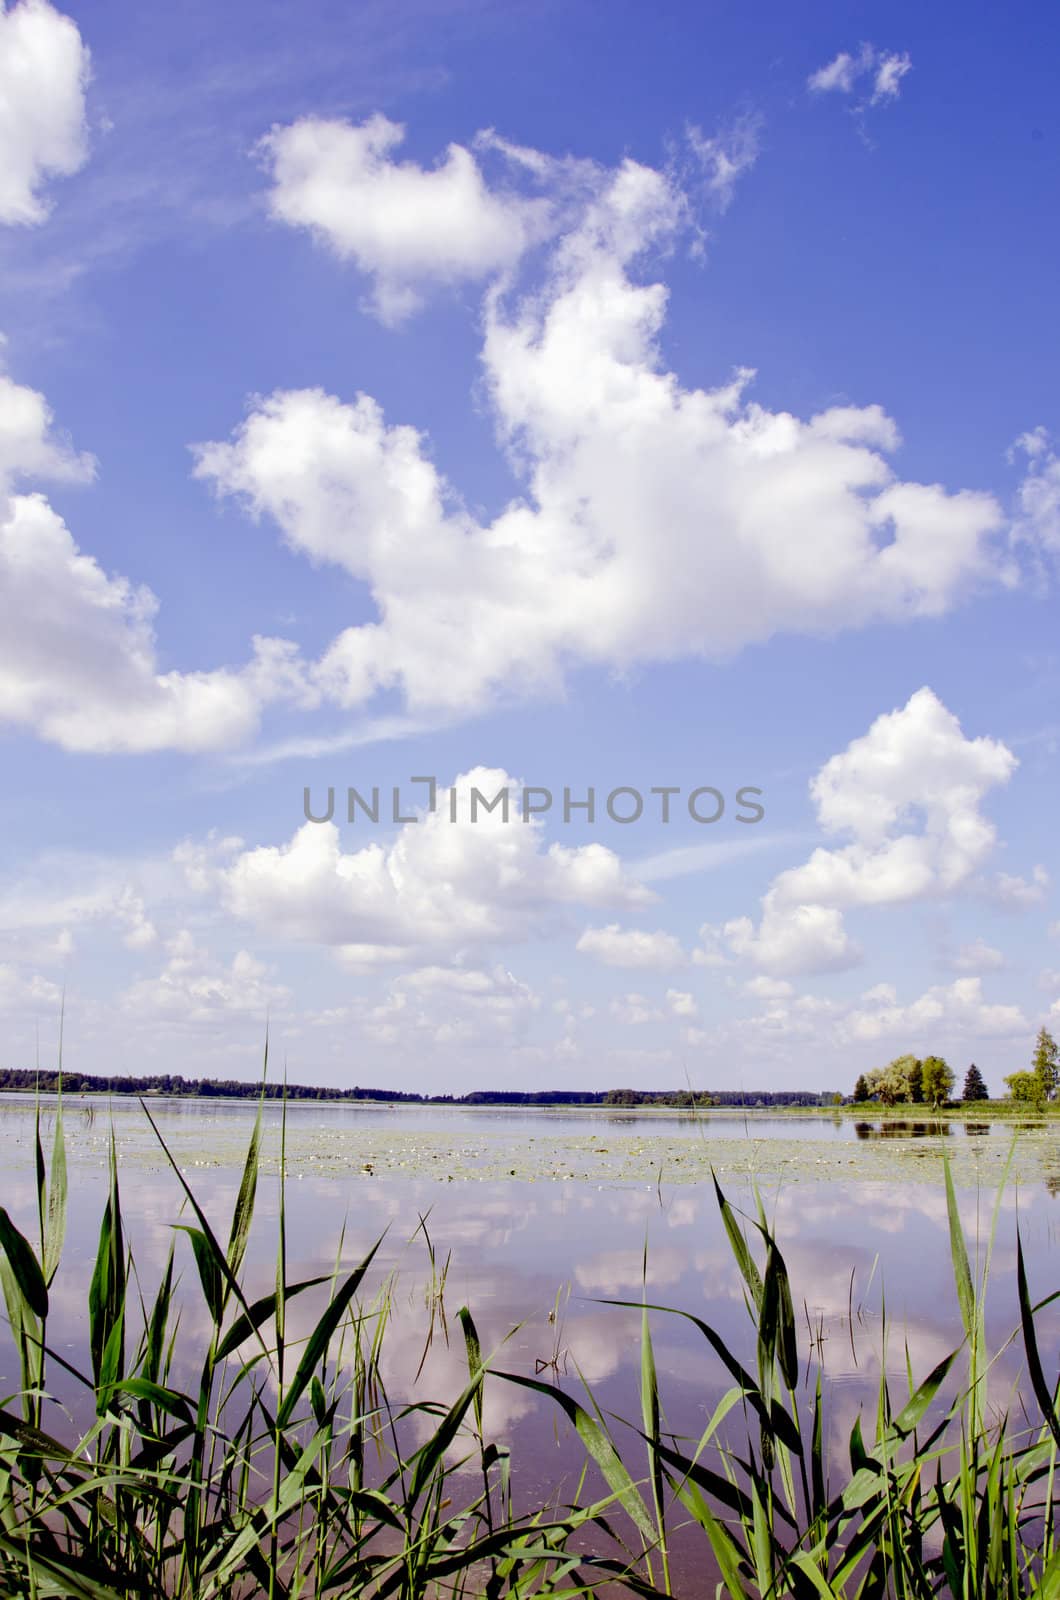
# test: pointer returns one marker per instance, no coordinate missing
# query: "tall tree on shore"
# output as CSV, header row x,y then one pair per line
x,y
1046,1064
937,1079
916,1083
861,1089
974,1087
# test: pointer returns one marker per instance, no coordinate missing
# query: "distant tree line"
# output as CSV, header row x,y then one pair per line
x,y
175,1084
24,1078
907,1080
747,1098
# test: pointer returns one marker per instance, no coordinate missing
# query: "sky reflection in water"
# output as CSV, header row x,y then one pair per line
x,y
540,1257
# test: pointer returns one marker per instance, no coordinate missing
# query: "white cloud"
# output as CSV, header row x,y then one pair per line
x,y
631,1010
49,950
885,68
44,68
891,68
1016,893
1038,496
615,946
842,73
30,447
681,1003
796,939
943,1016
695,858
404,225
978,957
452,1006
727,155
710,952
657,522
78,663
958,1010
768,989
66,894
438,885
909,792
26,994
193,988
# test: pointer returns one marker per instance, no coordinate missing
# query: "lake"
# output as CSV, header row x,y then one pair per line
x,y
543,1215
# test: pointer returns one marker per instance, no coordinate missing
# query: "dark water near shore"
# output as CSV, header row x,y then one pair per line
x,y
541,1256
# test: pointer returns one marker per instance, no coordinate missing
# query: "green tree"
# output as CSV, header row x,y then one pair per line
x,y
861,1089
1025,1088
894,1083
1046,1064
916,1083
937,1080
884,1086
974,1087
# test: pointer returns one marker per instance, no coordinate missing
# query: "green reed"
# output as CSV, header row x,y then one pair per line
x,y
941,1499
285,1468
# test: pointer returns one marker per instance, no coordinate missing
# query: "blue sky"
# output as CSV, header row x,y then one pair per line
x,y
586,396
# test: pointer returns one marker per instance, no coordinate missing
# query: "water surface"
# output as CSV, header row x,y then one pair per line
x,y
535,1252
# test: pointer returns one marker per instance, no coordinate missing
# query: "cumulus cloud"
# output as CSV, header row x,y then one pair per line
x,y
943,1016
631,1010
78,663
39,906
437,885
977,957
681,1003
44,68
955,1010
451,1006
657,522
768,989
194,988
909,792
616,946
879,74
26,993
30,445
798,938
1015,893
402,224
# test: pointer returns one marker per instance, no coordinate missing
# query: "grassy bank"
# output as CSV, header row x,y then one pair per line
x,y
282,1466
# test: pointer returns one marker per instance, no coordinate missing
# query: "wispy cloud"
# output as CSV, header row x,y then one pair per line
x,y
686,860
876,74
375,730
725,157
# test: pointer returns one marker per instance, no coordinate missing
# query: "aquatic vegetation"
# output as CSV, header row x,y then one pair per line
x,y
467,1146
232,1454
941,1498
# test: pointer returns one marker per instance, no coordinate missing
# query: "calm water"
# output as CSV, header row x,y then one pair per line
x,y
517,1245
524,1122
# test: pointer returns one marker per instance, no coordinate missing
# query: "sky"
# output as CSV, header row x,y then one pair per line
x,y
484,407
